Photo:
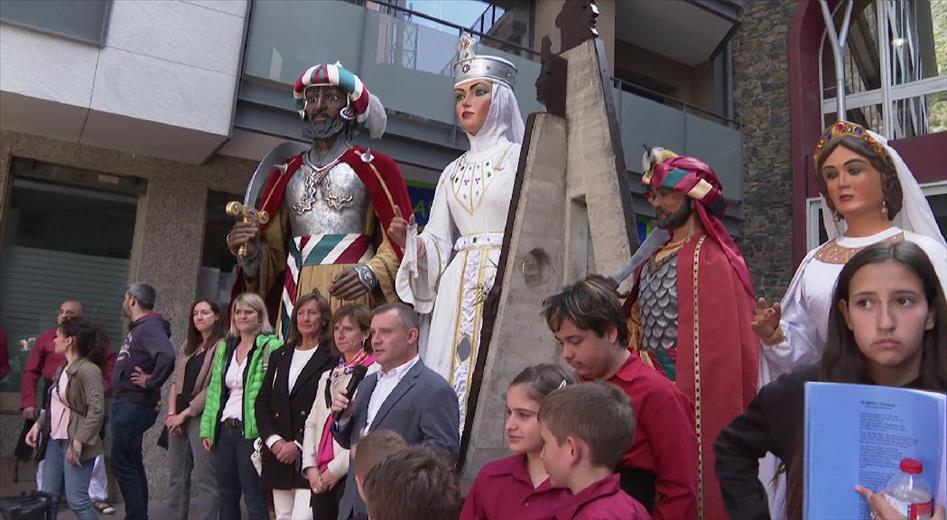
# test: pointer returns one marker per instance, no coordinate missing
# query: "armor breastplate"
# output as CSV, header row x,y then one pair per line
x,y
658,297
326,202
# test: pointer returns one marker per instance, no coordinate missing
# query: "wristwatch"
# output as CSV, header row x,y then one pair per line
x,y
366,276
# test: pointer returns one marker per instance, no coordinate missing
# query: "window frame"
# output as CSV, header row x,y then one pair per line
x,y
888,93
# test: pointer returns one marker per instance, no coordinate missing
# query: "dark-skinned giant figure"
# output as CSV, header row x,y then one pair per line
x,y
328,205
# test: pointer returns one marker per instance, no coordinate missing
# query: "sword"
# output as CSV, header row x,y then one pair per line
x,y
655,240
248,212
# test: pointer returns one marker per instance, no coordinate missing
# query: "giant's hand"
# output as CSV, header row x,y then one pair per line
x,y
347,286
398,228
766,319
243,233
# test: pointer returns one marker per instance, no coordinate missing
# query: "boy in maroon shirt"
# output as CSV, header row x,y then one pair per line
x,y
660,468
586,429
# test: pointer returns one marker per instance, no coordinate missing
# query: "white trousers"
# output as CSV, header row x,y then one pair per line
x,y
292,504
98,486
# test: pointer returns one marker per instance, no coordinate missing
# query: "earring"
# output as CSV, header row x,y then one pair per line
x,y
836,217
348,113
884,208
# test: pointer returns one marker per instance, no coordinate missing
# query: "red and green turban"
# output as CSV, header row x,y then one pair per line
x,y
698,181
333,74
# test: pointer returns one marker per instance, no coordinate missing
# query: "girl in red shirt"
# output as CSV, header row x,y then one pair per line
x,y
518,487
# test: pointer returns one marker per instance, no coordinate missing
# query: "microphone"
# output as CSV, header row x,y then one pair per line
x,y
358,373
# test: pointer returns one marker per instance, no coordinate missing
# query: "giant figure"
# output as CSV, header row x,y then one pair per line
x,y
451,266
328,206
693,303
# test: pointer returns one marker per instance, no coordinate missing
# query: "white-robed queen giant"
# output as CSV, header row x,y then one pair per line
x,y
450,267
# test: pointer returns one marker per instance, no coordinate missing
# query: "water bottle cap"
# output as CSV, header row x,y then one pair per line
x,y
912,466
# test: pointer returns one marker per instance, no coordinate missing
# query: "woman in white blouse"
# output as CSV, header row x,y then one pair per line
x,y
285,400
325,463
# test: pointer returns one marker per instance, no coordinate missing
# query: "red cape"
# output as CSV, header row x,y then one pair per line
x,y
715,323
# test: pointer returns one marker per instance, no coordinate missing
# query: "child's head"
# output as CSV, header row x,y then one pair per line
x,y
525,394
372,449
587,320
410,484
584,426
889,319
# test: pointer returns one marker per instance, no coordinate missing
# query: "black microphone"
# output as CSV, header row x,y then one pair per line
x,y
358,373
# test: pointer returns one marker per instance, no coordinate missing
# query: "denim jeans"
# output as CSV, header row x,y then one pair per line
x,y
236,475
129,423
76,478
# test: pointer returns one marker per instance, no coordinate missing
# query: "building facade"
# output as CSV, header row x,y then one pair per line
x,y
126,126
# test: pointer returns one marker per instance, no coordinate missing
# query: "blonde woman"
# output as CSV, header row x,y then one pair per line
x,y
228,425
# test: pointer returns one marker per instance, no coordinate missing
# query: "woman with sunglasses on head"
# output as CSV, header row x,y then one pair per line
x,y
228,424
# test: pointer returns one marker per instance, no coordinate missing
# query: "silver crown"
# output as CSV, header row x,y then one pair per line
x,y
471,66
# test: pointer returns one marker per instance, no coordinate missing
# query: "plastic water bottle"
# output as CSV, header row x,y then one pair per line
x,y
908,493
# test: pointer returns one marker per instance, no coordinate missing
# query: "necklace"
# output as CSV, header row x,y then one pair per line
x,y
833,253
318,181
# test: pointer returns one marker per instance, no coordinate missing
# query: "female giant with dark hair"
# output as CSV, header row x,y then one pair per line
x,y
869,195
888,326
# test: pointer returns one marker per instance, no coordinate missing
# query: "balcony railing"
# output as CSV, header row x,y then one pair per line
x,y
408,66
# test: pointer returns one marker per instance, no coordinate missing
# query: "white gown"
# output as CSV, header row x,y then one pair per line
x,y
805,306
805,322
462,243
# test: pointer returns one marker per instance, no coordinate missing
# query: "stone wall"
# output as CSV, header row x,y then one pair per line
x,y
760,51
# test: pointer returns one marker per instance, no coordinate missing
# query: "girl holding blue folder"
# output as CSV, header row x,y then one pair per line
x,y
887,326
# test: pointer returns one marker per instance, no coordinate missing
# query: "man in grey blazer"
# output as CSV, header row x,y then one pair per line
x,y
404,396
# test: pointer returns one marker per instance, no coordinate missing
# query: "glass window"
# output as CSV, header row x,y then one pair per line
x,y
862,70
914,51
86,20
61,241
897,88
920,115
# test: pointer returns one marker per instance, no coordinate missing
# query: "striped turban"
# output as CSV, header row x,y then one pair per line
x,y
698,181
366,107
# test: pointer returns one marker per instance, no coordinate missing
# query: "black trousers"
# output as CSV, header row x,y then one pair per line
x,y
326,505
639,484
236,475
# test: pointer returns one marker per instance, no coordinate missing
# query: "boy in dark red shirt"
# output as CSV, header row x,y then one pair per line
x,y
586,429
660,468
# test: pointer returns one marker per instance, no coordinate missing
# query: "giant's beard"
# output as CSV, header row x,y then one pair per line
x,y
322,129
677,219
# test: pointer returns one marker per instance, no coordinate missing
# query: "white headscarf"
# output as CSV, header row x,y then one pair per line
x,y
915,215
503,121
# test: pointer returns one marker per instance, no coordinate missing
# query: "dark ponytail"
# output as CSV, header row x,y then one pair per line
x,y
91,342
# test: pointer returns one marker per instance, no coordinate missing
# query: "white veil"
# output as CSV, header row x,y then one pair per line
x,y
503,121
915,215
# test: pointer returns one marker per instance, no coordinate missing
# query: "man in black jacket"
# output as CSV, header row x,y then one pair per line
x,y
143,364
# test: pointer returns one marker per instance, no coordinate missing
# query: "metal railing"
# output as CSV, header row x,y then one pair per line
x,y
389,7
